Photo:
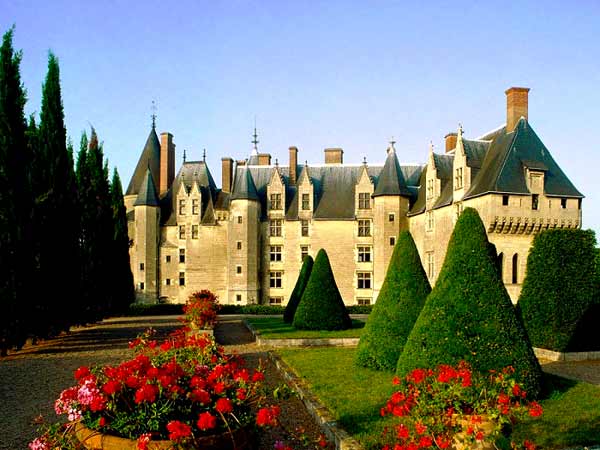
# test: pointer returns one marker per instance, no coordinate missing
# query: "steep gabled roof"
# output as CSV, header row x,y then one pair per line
x,y
391,179
209,214
150,157
147,195
244,187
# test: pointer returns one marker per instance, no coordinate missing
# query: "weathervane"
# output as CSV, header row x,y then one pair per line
x,y
204,155
392,142
255,136
184,157
153,108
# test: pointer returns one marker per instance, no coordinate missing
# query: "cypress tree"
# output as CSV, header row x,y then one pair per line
x,y
123,278
398,305
321,306
15,201
469,315
290,308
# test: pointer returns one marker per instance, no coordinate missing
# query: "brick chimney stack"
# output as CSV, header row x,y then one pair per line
x,y
226,174
167,163
450,141
334,156
264,159
516,106
293,165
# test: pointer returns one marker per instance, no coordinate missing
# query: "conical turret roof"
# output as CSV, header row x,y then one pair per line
x,y
150,158
147,195
244,187
391,180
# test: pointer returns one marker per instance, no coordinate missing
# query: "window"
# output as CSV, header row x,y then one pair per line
x,y
142,286
458,210
393,241
275,227
194,231
563,203
181,231
364,280
168,258
238,297
182,207
515,268
239,219
364,253
182,255
275,201
275,279
430,265
500,264
239,245
363,301
579,203
275,253
429,188
505,200
364,228
303,252
535,199
429,223
195,209
168,282
364,200
458,179
181,278
391,217
238,270
305,202
141,266
275,300
304,227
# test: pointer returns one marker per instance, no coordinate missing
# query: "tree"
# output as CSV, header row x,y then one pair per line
x,y
398,305
123,285
560,289
290,309
321,306
469,315
15,200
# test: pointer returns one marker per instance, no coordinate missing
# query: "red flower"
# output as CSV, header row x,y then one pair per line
x,y
396,381
425,442
206,421
147,393
403,431
442,442
479,436
529,445
418,375
219,387
535,409
143,440
241,394
258,376
178,430
82,372
224,406
200,395
111,387
420,428
322,441
267,416
102,422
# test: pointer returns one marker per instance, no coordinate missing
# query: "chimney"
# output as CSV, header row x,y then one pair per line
x,y
516,106
293,165
334,156
167,163
226,174
264,159
450,141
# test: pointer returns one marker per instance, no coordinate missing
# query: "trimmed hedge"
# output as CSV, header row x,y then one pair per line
x,y
560,291
469,315
359,309
167,309
251,309
292,305
398,305
321,306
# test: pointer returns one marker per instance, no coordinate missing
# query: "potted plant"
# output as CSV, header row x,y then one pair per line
x,y
200,312
454,407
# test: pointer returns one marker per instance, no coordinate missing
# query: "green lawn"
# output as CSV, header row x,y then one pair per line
x,y
276,328
355,395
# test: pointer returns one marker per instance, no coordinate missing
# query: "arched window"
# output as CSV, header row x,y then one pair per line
x,y
515,268
500,263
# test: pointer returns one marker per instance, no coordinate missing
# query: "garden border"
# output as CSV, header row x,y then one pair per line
x,y
322,414
300,342
551,355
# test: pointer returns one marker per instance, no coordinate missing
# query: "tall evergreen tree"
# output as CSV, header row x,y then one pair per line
x,y
15,200
294,301
122,276
56,212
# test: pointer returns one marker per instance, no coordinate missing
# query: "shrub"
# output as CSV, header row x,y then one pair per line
x,y
321,306
201,310
251,309
560,289
469,315
359,309
290,309
398,305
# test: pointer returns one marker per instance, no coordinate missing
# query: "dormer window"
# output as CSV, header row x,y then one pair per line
x,y
195,209
458,179
364,200
429,188
182,207
275,201
305,202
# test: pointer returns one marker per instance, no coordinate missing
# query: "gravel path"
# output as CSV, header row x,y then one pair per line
x,y
32,379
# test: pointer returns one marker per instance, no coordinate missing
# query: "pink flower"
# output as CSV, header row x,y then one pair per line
x,y
39,444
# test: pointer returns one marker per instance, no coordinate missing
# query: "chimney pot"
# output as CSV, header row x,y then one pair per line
x,y
334,156
516,106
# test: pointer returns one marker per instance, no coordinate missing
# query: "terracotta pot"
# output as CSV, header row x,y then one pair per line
x,y
240,439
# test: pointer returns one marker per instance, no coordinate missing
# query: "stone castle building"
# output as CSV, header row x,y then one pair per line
x,y
246,240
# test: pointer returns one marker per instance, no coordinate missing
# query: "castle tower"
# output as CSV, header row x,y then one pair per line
x,y
244,240
390,206
146,241
149,159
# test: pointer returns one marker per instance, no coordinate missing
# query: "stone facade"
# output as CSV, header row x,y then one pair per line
x,y
246,241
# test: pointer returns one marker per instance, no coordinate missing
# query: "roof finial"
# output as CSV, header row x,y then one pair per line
x,y
460,130
276,162
392,148
153,115
255,140
184,157
430,146
204,155
364,160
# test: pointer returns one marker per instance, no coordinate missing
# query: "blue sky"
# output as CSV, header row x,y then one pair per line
x,y
318,74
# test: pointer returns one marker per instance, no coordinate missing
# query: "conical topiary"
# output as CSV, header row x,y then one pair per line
x,y
290,309
469,315
398,305
321,306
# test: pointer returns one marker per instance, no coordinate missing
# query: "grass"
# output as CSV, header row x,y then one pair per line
x,y
276,328
355,395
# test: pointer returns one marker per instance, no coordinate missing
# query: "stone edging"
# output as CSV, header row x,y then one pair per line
x,y
567,356
322,415
300,342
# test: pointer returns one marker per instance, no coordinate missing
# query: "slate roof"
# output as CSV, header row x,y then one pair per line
x,y
150,157
244,187
147,193
391,179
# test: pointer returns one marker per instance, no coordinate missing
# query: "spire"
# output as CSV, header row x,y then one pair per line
x,y
244,187
391,180
147,195
253,160
184,157
153,115
150,157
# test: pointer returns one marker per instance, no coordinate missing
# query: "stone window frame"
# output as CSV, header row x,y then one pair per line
x,y
364,253
238,270
141,285
238,297
275,253
275,226
304,228
275,201
167,282
182,255
276,279
430,264
278,300
392,240
391,217
458,178
141,267
181,278
563,203
363,301
364,227
182,206
195,231
429,221
168,259
535,202
304,254
239,219
430,188
181,232
364,200
364,280
239,245
305,202
195,207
